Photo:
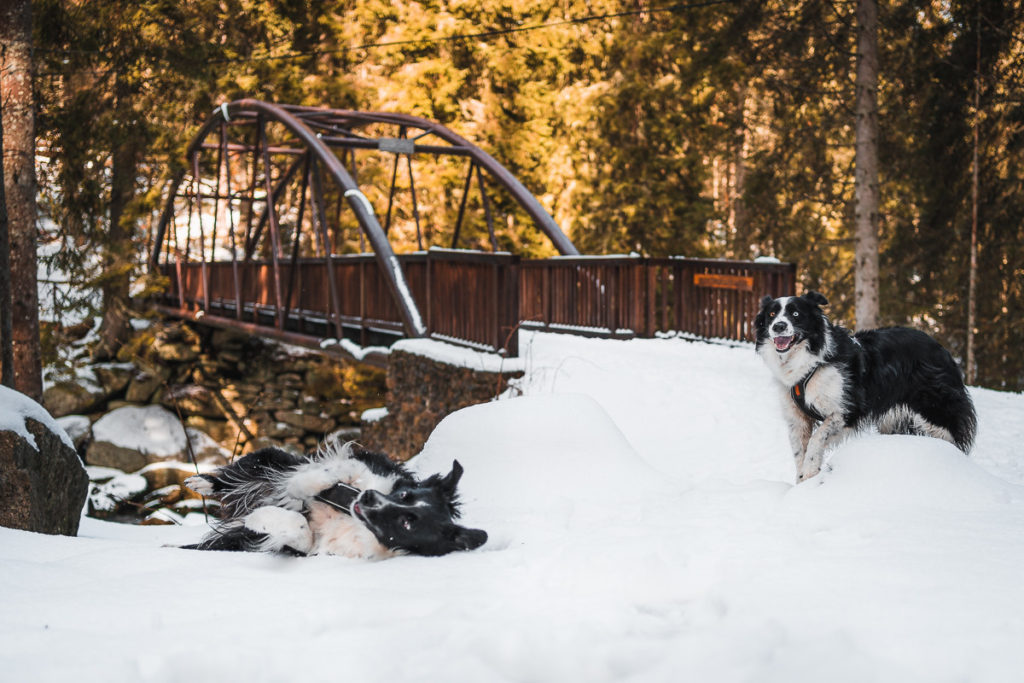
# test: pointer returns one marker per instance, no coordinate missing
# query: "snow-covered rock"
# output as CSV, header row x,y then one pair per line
x,y
131,437
43,483
77,427
108,496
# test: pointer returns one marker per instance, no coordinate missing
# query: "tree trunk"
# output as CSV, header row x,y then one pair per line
x,y
20,190
972,275
740,222
115,283
6,327
866,168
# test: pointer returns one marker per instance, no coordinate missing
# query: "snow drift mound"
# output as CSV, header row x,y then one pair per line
x,y
538,456
876,473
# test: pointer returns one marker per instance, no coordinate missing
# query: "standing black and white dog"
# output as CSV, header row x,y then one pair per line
x,y
343,500
895,379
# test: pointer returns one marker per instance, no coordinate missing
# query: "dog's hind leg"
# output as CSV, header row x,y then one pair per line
x,y
828,435
266,529
904,420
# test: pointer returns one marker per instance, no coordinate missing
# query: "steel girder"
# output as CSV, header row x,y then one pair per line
x,y
317,132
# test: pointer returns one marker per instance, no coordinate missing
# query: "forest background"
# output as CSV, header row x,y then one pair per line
x,y
720,128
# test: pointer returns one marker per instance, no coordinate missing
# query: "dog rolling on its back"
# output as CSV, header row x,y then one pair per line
x,y
342,501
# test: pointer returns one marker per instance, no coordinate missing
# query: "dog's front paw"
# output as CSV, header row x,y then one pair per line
x,y
282,529
309,481
808,471
200,484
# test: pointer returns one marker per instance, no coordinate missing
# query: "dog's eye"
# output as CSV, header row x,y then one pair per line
x,y
796,314
407,522
772,314
405,496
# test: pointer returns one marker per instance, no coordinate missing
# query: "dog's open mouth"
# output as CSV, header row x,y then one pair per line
x,y
783,344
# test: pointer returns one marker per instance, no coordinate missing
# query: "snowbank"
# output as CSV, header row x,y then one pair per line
x,y
900,475
643,526
537,456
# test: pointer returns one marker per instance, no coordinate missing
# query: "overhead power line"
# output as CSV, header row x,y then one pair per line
x,y
437,40
496,32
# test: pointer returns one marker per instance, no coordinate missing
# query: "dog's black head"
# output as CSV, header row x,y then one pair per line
x,y
787,321
418,517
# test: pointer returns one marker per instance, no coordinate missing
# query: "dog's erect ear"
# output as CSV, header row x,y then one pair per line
x,y
761,321
468,539
816,298
451,480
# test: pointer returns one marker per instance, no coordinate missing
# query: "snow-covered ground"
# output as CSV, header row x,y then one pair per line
x,y
643,526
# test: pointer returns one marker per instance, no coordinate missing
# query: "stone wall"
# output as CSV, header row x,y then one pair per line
x,y
243,392
218,394
223,393
422,391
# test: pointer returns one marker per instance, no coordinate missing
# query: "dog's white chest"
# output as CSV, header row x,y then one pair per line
x,y
337,533
824,391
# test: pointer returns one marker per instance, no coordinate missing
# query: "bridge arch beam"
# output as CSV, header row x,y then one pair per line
x,y
317,133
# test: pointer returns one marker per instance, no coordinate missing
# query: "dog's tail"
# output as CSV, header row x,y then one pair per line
x,y
966,425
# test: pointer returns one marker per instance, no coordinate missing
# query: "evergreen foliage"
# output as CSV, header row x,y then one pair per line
x,y
693,128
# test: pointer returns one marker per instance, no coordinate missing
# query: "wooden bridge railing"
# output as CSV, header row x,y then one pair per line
x,y
626,296
480,299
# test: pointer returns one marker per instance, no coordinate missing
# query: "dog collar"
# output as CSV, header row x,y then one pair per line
x,y
799,390
340,497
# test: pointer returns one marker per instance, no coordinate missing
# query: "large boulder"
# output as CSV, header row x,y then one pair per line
x,y
132,437
43,484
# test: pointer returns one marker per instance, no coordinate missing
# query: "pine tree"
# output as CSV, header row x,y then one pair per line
x,y
866,187
6,320
19,176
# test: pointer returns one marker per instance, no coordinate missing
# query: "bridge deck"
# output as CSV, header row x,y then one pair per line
x,y
279,182
479,299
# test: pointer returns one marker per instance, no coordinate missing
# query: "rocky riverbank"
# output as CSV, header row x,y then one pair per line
x,y
182,398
